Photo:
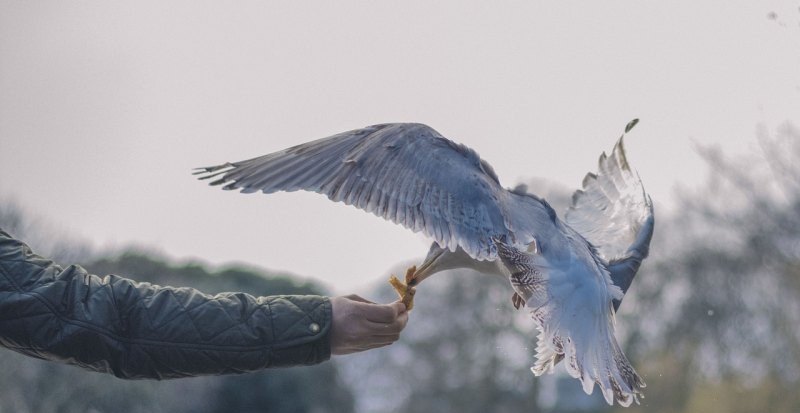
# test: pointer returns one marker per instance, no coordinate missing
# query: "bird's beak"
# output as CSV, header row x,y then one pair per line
x,y
426,268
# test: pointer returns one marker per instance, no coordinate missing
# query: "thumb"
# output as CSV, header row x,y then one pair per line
x,y
399,306
360,299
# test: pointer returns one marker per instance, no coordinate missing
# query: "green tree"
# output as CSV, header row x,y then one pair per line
x,y
715,313
465,349
30,385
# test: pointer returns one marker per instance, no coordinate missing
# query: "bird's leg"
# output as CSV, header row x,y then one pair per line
x,y
405,292
517,300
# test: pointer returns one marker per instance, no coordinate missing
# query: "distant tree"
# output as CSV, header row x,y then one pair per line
x,y
715,312
51,240
464,350
29,385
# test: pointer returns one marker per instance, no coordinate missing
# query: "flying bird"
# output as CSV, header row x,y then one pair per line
x,y
571,274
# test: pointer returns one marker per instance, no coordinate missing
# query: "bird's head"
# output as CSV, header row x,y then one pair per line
x,y
437,260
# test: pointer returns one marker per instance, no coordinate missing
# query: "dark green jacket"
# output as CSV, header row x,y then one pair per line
x,y
138,330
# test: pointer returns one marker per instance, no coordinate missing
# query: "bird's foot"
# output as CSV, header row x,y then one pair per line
x,y
517,301
405,292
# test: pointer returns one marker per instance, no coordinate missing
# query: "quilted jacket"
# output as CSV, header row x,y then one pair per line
x,y
139,330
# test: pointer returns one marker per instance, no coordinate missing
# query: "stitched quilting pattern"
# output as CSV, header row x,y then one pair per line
x,y
147,330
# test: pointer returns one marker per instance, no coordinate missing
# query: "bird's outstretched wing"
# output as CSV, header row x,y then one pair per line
x,y
405,173
575,324
615,214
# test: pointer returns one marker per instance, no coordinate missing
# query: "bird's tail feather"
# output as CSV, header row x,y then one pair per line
x,y
591,354
576,324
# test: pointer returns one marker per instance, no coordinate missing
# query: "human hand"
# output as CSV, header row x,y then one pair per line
x,y
358,324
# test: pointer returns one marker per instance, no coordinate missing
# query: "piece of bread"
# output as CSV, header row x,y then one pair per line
x,y
405,292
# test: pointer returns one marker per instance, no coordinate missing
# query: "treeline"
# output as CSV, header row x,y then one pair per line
x,y
715,315
30,385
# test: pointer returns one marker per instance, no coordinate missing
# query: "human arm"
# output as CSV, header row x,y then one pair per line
x,y
138,330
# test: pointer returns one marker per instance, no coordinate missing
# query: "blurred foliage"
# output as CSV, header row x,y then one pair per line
x,y
713,315
30,385
462,351
50,241
710,322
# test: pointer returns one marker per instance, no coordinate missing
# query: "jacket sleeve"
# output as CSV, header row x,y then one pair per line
x,y
138,330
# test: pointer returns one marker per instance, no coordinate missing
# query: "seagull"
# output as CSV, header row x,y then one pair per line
x,y
570,274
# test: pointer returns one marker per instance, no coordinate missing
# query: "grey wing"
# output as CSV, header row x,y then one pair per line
x,y
405,173
615,214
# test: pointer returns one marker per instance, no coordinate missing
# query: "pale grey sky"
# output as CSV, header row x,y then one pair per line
x,y
106,106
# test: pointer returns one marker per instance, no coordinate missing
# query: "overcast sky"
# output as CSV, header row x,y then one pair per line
x,y
105,107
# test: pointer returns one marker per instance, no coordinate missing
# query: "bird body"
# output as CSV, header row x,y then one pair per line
x,y
570,274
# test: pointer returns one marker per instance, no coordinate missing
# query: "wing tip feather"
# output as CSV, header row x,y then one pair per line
x,y
588,179
620,155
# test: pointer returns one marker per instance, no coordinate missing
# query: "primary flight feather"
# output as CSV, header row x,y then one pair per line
x,y
571,274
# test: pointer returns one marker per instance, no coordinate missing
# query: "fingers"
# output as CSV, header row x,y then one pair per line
x,y
380,341
389,329
383,313
401,308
